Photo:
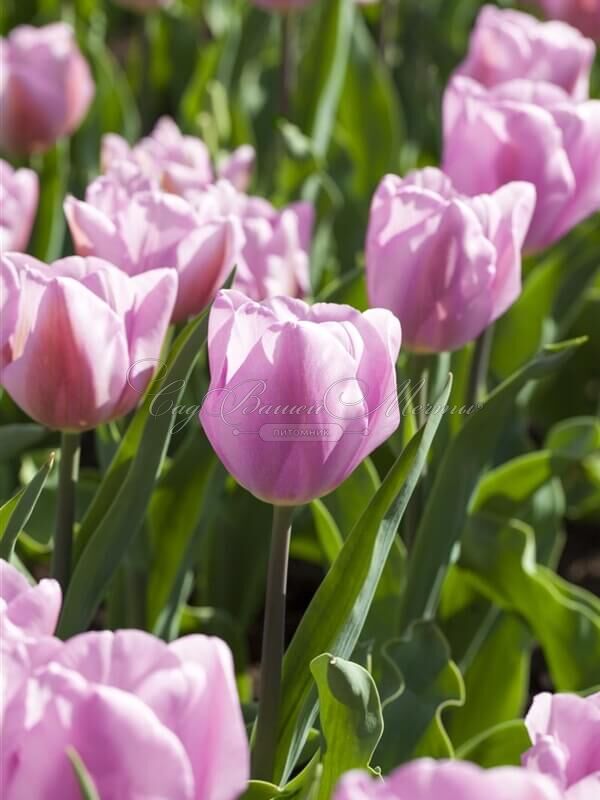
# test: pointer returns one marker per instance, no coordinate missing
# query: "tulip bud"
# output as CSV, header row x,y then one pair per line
x,y
299,394
507,45
525,131
46,87
80,339
445,264
19,190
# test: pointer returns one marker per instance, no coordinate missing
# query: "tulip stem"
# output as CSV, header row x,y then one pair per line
x,y
65,510
476,386
267,723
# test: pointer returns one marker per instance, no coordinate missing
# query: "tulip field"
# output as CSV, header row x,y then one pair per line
x,y
299,400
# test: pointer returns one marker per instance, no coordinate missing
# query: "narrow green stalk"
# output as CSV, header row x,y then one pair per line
x,y
267,723
477,384
386,27
287,63
65,509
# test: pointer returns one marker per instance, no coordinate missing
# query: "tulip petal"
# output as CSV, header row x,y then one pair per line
x,y
217,751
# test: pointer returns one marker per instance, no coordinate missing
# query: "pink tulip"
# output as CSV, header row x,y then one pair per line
x,y
507,45
19,190
445,264
530,131
583,14
46,87
426,779
299,394
32,609
140,231
146,718
565,731
177,163
79,339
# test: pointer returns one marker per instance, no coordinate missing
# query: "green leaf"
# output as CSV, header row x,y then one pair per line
x,y
176,508
465,458
137,463
419,680
370,119
519,333
347,503
16,512
260,790
349,289
328,533
85,781
16,438
236,522
575,438
498,655
573,390
502,745
323,72
351,719
499,556
504,489
336,614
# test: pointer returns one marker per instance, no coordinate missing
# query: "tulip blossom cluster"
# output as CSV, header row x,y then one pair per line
x,y
178,163
521,168
158,205
141,229
518,110
529,131
300,395
147,719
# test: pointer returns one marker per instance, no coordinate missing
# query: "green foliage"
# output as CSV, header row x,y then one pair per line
x,y
15,513
351,718
441,624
